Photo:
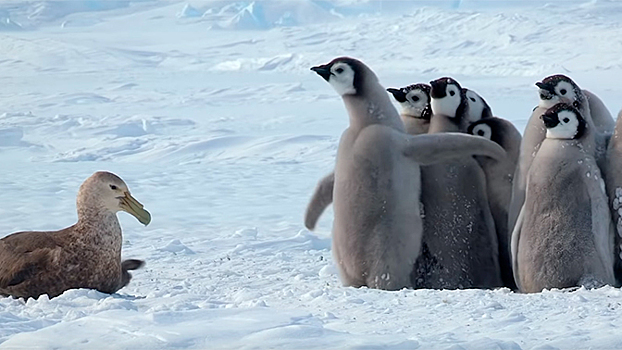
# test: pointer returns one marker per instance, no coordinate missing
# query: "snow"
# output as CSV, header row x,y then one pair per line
x,y
209,112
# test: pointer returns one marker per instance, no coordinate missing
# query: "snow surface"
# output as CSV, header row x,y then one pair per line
x,y
209,112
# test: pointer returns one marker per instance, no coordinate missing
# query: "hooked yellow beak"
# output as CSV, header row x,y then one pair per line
x,y
130,205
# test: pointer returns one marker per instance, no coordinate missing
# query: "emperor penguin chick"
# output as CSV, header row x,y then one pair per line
x,y
459,230
377,227
415,102
613,179
553,90
564,234
499,175
478,107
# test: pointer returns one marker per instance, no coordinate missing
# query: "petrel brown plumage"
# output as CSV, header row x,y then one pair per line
x,y
85,255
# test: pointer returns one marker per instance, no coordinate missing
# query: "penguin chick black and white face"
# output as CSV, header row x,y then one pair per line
x,y
483,130
478,108
340,74
414,100
559,88
563,121
446,97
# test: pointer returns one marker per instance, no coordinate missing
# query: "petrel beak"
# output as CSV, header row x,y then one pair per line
x,y
399,95
323,71
130,205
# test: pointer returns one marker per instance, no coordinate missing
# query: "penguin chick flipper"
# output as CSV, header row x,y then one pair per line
x,y
322,198
435,148
514,242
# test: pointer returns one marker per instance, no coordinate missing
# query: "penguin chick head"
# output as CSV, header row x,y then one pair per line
x,y
481,129
493,128
414,100
346,75
563,121
559,88
478,108
446,97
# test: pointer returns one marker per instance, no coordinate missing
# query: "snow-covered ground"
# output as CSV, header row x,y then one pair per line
x,y
209,112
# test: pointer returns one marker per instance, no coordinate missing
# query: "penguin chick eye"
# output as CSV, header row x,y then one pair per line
x,y
563,91
566,120
415,98
480,132
113,187
452,92
472,99
339,70
542,96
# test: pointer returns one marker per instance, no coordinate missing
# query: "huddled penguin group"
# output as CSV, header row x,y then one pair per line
x,y
453,197
376,185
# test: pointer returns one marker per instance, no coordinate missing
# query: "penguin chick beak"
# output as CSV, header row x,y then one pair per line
x,y
438,88
427,113
323,71
550,120
546,90
133,207
398,94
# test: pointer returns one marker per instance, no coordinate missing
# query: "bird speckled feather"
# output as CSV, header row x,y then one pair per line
x,y
85,255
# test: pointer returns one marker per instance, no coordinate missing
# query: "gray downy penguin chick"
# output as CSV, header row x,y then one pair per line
x,y
460,241
377,226
478,107
415,103
564,234
613,179
448,100
85,255
553,90
499,175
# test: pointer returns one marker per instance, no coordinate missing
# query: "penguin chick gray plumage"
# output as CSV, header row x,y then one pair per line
x,y
613,179
564,235
459,230
553,90
499,176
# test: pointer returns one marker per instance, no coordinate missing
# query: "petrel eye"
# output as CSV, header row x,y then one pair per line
x,y
113,187
452,93
415,98
339,70
566,120
563,91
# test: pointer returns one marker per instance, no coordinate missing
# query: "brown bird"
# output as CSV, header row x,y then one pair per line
x,y
85,255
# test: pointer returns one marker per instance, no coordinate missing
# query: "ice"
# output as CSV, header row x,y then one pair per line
x,y
189,12
209,112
